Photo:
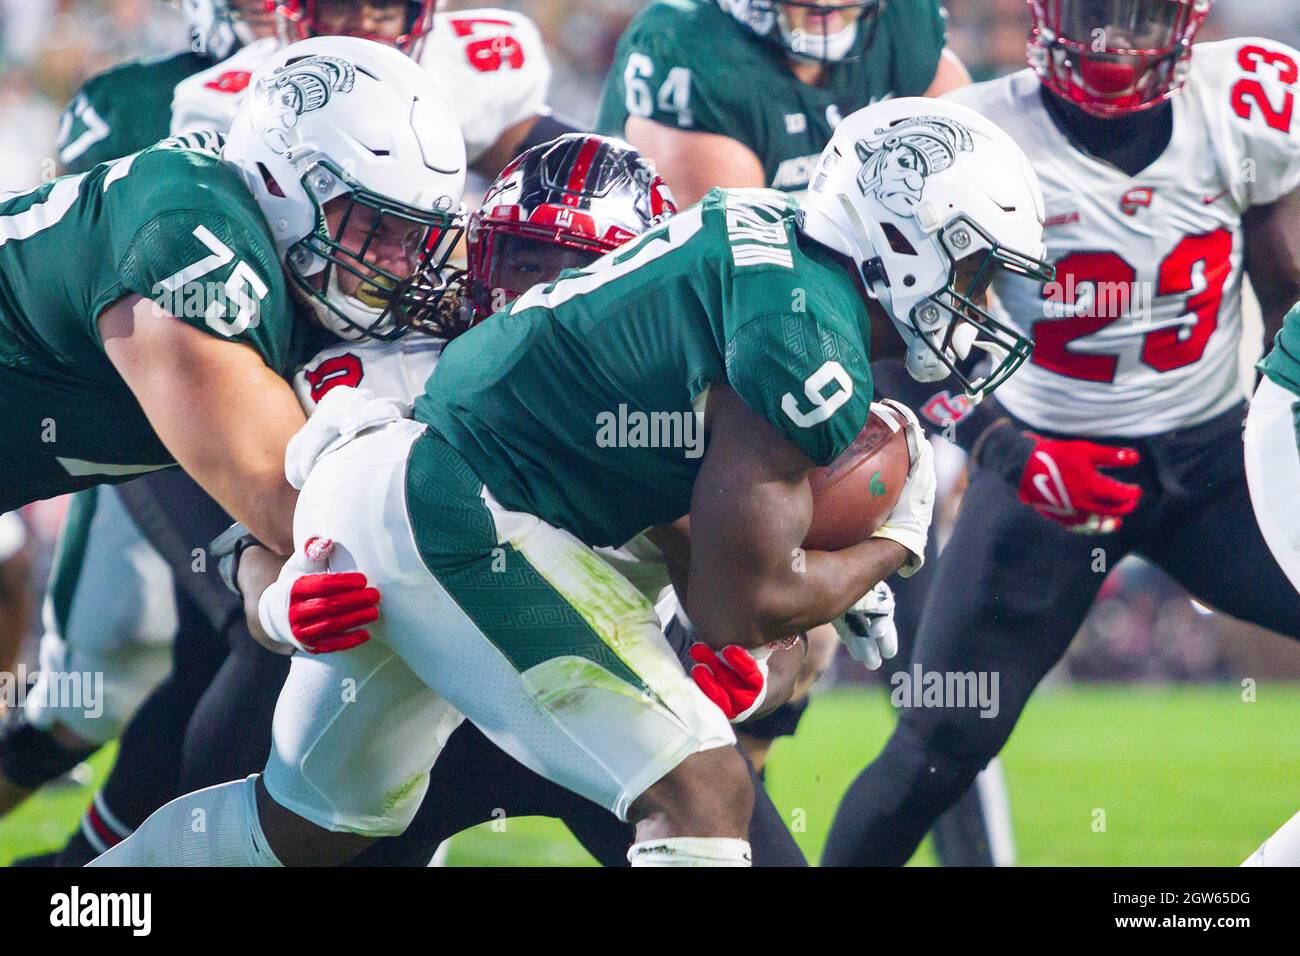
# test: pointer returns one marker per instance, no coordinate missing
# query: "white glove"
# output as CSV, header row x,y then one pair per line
x,y
867,628
342,414
909,522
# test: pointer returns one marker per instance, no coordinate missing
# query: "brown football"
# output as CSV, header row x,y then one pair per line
x,y
854,493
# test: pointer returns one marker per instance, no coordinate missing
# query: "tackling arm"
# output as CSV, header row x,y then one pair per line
x,y
751,583
223,414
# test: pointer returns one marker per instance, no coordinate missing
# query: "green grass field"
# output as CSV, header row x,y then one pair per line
x,y
1184,776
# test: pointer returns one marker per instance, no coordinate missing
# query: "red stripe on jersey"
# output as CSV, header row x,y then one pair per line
x,y
106,833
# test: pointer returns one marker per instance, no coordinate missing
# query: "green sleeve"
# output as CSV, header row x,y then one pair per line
x,y
658,74
917,33
804,379
121,111
213,272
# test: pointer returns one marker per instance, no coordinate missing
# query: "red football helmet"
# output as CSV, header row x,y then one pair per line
x,y
1111,57
307,18
560,205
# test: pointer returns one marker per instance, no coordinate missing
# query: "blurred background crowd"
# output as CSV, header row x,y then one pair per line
x,y
1143,627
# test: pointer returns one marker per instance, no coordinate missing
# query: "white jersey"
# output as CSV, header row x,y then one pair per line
x,y
395,369
1140,333
490,66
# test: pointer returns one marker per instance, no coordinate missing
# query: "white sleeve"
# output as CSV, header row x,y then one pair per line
x,y
209,98
1248,90
492,68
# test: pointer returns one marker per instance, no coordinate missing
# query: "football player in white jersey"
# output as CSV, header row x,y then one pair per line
x,y
1167,177
491,63
495,69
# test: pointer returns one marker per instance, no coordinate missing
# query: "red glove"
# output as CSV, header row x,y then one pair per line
x,y
735,681
328,612
1062,481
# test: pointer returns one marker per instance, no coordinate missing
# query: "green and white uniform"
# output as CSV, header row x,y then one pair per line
x,y
1273,448
691,65
109,608
122,110
564,423
173,223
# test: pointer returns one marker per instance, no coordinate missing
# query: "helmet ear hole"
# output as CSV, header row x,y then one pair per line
x,y
897,241
271,185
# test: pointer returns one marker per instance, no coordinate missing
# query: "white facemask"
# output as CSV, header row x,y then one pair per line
x,y
818,46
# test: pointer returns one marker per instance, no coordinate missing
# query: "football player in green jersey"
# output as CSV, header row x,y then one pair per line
x,y
740,93
129,107
747,93
704,370
124,291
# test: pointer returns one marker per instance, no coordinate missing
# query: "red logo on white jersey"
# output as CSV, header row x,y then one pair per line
x,y
232,81
336,370
1136,199
946,409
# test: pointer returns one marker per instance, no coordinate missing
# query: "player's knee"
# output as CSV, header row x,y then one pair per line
x,y
296,841
929,764
709,794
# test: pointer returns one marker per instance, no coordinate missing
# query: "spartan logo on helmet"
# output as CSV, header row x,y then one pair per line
x,y
299,87
307,84
897,161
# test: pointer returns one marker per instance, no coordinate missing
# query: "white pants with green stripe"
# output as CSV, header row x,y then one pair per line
x,y
109,618
522,629
1273,471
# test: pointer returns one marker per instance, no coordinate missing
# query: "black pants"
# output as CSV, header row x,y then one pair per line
x,y
1012,589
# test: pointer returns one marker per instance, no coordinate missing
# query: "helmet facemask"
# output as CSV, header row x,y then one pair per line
x,y
346,269
818,32
509,258
1114,57
942,329
400,23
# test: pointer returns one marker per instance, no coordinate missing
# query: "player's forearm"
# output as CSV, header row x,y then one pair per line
x,y
819,587
258,570
829,584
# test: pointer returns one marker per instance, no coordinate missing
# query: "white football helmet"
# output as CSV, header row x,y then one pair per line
x,y
341,117
217,27
932,200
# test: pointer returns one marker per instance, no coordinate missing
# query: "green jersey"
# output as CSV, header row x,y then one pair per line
x,y
122,110
173,223
691,65
583,402
1282,364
